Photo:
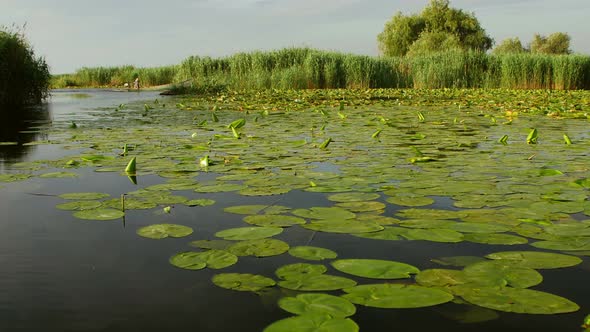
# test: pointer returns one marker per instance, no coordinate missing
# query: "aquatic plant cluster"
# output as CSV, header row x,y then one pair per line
x,y
303,68
392,156
24,77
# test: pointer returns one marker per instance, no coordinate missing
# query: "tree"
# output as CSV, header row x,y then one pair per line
x,y
510,45
436,20
555,43
430,42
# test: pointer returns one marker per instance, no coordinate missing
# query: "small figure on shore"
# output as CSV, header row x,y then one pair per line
x,y
136,84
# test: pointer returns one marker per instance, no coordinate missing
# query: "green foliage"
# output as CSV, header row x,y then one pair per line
x,y
555,43
438,27
24,77
510,45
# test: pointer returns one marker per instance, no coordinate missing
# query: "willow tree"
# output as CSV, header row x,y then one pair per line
x,y
437,21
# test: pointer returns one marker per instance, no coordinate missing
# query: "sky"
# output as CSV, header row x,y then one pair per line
x,y
71,34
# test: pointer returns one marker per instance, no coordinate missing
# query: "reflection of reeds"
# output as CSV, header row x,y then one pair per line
x,y
304,68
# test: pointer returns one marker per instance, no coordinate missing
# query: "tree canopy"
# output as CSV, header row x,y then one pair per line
x,y
437,27
510,45
555,43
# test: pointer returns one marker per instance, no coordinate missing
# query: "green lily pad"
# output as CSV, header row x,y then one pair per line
x,y
353,197
524,301
429,214
388,233
374,268
441,278
365,206
302,304
213,259
211,244
13,177
244,282
434,235
84,196
257,209
199,202
274,220
100,214
535,259
161,231
130,204
313,323
321,282
248,233
312,253
342,226
58,175
495,273
396,296
458,260
498,239
221,187
79,205
567,244
259,248
473,227
300,270
411,201
324,213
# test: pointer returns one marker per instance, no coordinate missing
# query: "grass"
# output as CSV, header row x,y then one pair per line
x,y
305,68
24,77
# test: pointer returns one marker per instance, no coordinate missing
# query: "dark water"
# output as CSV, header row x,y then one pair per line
x,y
59,273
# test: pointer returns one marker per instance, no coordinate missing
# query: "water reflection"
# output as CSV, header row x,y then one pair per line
x,y
19,127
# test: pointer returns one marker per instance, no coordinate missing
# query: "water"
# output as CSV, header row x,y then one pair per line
x,y
59,273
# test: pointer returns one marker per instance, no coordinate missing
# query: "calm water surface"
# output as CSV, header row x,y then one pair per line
x,y
59,273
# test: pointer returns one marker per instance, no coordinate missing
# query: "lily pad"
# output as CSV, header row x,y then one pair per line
x,y
396,296
374,268
211,244
353,197
248,233
313,323
321,282
79,205
259,248
411,201
58,175
388,233
199,202
274,220
495,273
244,282
302,304
312,253
323,213
343,226
257,209
567,244
100,214
535,259
474,227
161,231
497,239
213,259
524,301
434,235
458,260
300,270
84,196
365,206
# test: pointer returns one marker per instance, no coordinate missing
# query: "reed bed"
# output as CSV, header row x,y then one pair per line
x,y
305,68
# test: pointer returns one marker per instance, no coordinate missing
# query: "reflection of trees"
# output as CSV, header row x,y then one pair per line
x,y
22,126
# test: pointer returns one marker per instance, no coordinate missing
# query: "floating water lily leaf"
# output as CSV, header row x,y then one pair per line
x,y
248,233
495,273
429,214
256,209
468,314
566,244
343,226
221,187
274,220
321,282
199,202
362,206
535,259
259,248
353,197
410,200
388,233
161,231
426,223
324,213
313,322
242,282
312,253
498,239
396,296
300,270
13,177
434,235
100,214
525,301
441,278
213,259
302,304
474,227
56,175
458,260
212,244
84,196
374,268
549,172
264,191
79,205
130,204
